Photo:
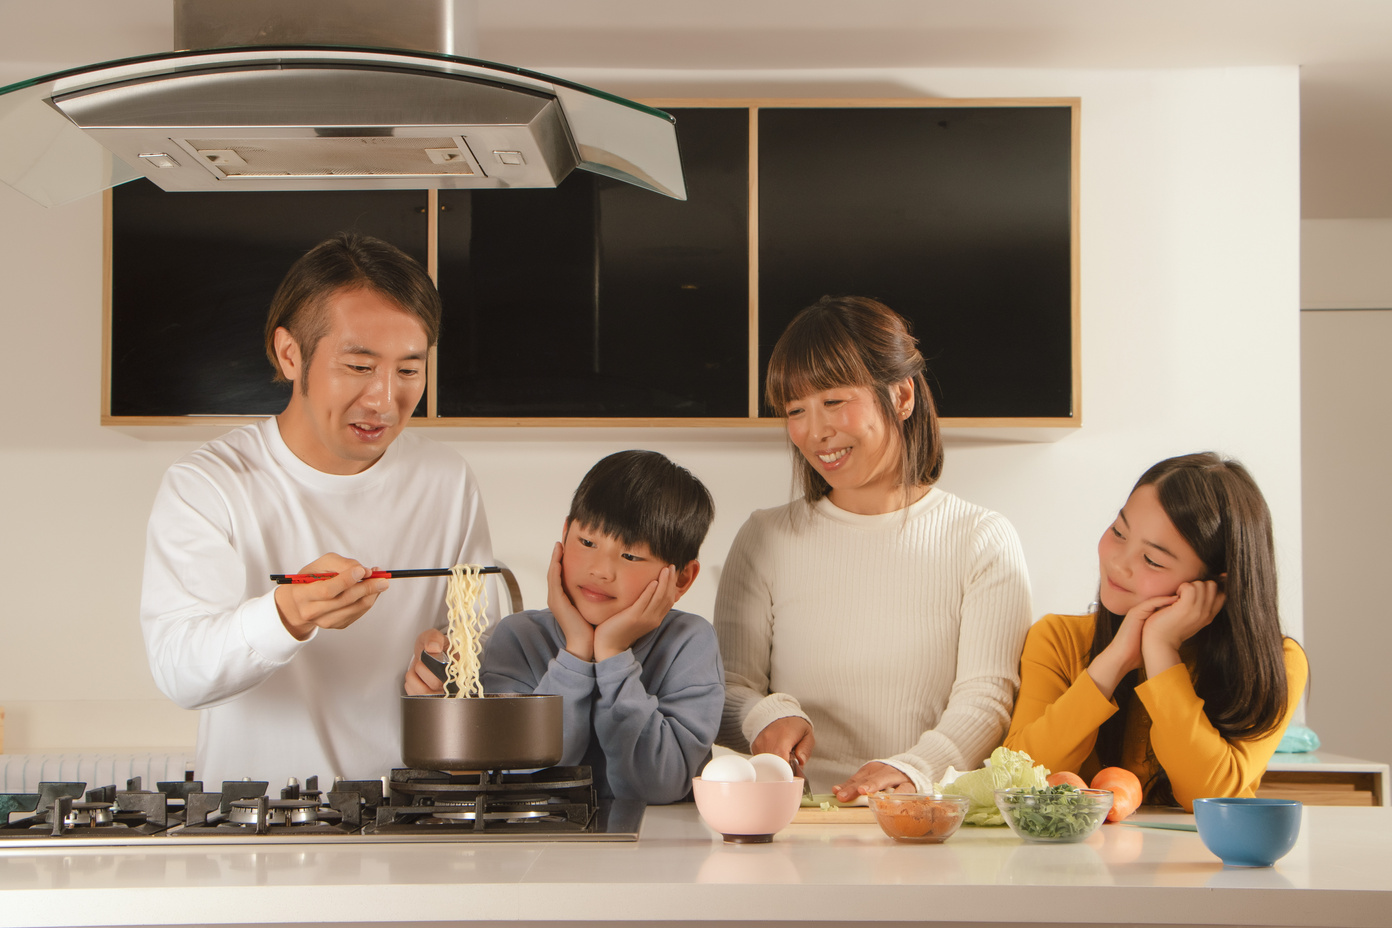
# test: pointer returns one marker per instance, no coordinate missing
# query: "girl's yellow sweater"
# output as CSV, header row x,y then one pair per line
x,y
1060,709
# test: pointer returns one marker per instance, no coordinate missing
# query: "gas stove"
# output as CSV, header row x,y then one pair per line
x,y
555,804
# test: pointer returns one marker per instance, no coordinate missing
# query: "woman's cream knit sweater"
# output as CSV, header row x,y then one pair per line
x,y
897,635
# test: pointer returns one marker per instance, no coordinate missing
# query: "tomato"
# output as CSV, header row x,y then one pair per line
x,y
1125,787
1064,776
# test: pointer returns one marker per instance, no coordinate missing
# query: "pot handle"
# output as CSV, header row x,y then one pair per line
x,y
440,669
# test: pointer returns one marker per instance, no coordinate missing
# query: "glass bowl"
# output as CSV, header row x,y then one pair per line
x,y
920,818
1054,815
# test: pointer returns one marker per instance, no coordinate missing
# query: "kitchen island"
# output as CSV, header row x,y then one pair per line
x,y
679,872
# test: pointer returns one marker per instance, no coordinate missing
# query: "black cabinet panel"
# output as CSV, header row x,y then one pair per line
x,y
192,278
599,298
959,218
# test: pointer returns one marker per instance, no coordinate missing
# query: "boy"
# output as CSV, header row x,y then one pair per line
x,y
642,683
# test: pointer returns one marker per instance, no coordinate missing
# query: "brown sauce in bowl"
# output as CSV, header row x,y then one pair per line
x,y
920,819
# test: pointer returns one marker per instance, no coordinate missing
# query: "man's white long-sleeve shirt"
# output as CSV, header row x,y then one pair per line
x,y
243,507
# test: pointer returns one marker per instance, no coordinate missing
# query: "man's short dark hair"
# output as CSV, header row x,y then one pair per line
x,y
641,497
345,262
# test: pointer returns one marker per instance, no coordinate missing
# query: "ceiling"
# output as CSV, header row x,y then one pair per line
x,y
1343,47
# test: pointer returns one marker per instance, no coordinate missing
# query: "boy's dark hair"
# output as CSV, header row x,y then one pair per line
x,y
641,497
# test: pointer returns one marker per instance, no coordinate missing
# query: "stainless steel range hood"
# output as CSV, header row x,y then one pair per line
x,y
387,105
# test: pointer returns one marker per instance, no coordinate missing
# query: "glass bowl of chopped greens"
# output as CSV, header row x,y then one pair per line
x,y
1053,814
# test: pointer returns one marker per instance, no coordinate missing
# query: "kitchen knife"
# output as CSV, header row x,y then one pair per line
x,y
797,772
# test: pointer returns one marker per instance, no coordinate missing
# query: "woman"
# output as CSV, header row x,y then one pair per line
x,y
1188,597
871,630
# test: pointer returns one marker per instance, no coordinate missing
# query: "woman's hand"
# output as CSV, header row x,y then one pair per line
x,y
579,634
1196,604
874,777
1123,654
790,736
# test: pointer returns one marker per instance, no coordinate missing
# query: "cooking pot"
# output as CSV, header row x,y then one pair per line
x,y
503,731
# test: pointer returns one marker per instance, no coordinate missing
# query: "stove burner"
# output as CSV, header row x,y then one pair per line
x,y
279,812
439,784
441,817
95,814
559,803
63,810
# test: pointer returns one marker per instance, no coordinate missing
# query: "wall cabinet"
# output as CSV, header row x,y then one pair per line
x,y
597,303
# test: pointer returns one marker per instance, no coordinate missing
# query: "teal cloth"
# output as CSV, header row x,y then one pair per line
x,y
1298,740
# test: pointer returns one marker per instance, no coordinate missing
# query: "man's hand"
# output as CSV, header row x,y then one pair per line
x,y
333,603
420,679
617,634
579,634
790,736
874,777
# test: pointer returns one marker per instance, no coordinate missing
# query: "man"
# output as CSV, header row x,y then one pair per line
x,y
298,680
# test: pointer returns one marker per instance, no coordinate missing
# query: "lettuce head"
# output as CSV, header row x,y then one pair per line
x,y
1005,769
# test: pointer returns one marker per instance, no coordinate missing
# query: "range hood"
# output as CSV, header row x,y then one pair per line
x,y
321,95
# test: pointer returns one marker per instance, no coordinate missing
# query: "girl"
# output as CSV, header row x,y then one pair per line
x,y
1182,675
870,630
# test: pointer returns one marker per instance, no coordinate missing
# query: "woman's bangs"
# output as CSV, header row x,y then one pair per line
x,y
808,364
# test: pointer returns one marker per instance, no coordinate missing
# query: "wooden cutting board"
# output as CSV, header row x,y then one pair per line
x,y
836,815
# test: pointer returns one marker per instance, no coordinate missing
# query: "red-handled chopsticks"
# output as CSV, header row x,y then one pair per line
x,y
389,574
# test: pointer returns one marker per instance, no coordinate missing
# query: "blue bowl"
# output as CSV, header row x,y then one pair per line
x,y
1248,832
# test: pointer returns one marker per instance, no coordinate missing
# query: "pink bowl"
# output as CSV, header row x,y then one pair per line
x,y
747,813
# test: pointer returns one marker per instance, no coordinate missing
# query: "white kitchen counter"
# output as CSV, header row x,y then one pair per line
x,y
1339,874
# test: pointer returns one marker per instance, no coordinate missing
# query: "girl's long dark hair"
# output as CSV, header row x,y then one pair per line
x,y
857,341
1239,670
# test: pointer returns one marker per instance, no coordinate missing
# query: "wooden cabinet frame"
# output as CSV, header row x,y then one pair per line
x,y
752,419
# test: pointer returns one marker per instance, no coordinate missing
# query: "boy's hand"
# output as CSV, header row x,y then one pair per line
x,y
617,634
579,634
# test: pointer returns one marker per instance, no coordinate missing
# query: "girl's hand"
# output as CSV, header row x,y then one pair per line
x,y
790,736
874,777
1196,605
1123,654
579,634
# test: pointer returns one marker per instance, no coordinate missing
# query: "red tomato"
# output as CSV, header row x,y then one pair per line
x,y
1125,787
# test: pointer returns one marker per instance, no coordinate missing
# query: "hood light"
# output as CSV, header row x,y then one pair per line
x,y
159,160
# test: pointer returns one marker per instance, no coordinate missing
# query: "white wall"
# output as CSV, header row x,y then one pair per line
x,y
1346,404
1190,243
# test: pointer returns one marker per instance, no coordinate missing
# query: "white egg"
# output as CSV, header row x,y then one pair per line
x,y
770,768
729,768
